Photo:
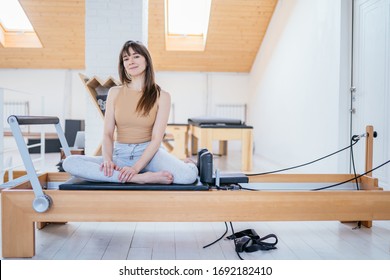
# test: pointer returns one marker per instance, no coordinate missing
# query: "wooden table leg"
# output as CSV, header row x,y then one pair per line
x,y
223,144
246,149
180,138
194,145
206,139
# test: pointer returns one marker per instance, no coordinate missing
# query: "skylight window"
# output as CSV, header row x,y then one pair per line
x,y
12,16
16,30
186,24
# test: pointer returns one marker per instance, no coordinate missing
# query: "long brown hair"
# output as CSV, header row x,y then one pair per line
x,y
151,90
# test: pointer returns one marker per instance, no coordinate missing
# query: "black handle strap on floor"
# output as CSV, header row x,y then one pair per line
x,y
249,241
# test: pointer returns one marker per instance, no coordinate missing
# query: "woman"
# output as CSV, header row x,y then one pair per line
x,y
139,111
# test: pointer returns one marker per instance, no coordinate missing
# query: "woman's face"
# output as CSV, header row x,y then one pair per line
x,y
134,63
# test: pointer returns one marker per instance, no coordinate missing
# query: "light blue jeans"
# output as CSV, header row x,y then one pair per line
x,y
88,167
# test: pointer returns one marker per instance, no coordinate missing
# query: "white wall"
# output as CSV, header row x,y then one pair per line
x,y
49,92
195,94
188,92
108,25
296,98
295,85
61,92
1,138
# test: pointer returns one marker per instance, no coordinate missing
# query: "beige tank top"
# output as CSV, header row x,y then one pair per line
x,y
131,126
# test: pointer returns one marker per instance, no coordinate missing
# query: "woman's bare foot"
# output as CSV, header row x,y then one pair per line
x,y
161,177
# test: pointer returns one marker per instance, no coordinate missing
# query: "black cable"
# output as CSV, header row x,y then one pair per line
x,y
353,164
223,235
337,184
355,178
359,223
235,242
247,189
313,161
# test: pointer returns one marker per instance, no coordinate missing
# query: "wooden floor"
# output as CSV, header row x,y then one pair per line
x,y
185,241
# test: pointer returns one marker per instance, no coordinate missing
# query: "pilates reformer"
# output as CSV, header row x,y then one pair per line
x,y
50,197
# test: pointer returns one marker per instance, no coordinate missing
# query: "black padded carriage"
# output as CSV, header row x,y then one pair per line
x,y
93,186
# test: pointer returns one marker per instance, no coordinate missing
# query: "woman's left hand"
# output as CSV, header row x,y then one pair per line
x,y
126,173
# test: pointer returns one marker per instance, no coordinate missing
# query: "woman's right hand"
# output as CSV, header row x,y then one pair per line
x,y
108,167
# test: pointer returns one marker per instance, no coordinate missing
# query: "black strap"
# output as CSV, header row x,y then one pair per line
x,y
248,232
249,241
259,244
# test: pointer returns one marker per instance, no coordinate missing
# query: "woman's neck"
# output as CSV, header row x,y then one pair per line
x,y
136,84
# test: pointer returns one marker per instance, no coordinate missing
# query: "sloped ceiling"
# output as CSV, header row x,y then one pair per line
x,y
236,30
60,27
235,33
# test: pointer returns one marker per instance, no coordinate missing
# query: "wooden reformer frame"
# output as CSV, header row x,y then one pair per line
x,y
18,217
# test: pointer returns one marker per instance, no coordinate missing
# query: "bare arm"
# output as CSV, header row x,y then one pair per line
x,y
108,133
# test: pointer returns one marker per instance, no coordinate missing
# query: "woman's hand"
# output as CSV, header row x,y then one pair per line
x,y
126,173
108,168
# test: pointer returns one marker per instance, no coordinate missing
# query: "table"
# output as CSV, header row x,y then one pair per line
x,y
203,135
179,134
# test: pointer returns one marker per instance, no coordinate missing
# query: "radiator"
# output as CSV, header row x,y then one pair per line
x,y
21,108
232,111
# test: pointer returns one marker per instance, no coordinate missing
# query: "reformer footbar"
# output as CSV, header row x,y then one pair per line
x,y
41,202
205,166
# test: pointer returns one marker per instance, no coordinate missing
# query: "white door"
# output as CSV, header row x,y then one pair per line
x,y
371,78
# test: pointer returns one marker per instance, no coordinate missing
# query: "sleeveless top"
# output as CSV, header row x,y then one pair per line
x,y
131,126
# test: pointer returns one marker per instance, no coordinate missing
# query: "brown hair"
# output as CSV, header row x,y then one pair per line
x,y
151,90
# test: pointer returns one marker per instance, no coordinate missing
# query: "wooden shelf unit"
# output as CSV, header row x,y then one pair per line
x,y
96,86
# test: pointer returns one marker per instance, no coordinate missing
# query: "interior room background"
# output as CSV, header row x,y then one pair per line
x,y
297,92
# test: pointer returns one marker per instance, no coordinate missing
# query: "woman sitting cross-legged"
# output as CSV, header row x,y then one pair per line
x,y
138,111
